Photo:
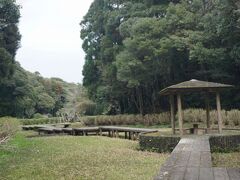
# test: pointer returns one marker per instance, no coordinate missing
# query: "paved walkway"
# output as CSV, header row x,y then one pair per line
x,y
191,160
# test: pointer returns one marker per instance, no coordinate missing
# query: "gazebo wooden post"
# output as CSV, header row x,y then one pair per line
x,y
207,111
172,113
219,116
195,86
180,117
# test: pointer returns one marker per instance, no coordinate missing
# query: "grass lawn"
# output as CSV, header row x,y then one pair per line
x,y
231,160
69,157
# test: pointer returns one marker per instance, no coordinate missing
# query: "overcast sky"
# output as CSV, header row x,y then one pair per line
x,y
51,41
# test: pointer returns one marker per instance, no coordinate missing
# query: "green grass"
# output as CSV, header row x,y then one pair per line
x,y
69,157
231,160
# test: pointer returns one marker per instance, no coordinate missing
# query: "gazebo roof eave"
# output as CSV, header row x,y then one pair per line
x,y
192,86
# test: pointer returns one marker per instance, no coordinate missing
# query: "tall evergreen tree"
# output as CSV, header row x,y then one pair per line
x,y
135,48
9,43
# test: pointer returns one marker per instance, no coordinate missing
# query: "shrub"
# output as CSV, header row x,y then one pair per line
x,y
163,118
8,126
225,143
234,117
231,118
194,115
88,120
131,119
38,116
190,116
158,143
45,120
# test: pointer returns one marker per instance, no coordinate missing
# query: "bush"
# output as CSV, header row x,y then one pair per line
x,y
158,143
8,126
88,120
194,115
234,117
230,118
225,143
46,120
131,119
38,116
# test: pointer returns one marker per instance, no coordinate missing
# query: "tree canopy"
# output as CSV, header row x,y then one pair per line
x,y
22,93
136,48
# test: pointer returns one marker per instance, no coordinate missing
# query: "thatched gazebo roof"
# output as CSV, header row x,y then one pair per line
x,y
194,85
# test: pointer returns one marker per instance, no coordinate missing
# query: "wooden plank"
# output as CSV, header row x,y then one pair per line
x,y
183,158
177,176
192,173
206,174
194,160
87,129
58,130
126,129
171,161
220,174
46,131
180,146
206,159
183,164
234,173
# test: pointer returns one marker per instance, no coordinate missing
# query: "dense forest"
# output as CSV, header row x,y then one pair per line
x,y
24,94
134,48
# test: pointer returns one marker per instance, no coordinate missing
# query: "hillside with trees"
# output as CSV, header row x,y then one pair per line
x,y
24,94
136,48
33,95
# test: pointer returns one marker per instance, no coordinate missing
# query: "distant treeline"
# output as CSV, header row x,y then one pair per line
x,y
135,48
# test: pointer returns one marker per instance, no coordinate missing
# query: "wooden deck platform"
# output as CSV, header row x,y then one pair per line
x,y
191,160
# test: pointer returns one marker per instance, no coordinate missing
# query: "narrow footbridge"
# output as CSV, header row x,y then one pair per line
x,y
191,160
111,131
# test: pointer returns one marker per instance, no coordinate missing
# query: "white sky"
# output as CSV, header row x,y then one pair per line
x,y
51,41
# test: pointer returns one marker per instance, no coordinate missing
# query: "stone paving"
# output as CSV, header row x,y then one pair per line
x,y
191,160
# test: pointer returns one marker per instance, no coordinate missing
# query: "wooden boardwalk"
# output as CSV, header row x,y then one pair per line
x,y
129,133
191,160
112,131
36,127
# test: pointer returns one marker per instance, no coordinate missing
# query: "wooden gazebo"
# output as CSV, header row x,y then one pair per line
x,y
194,86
